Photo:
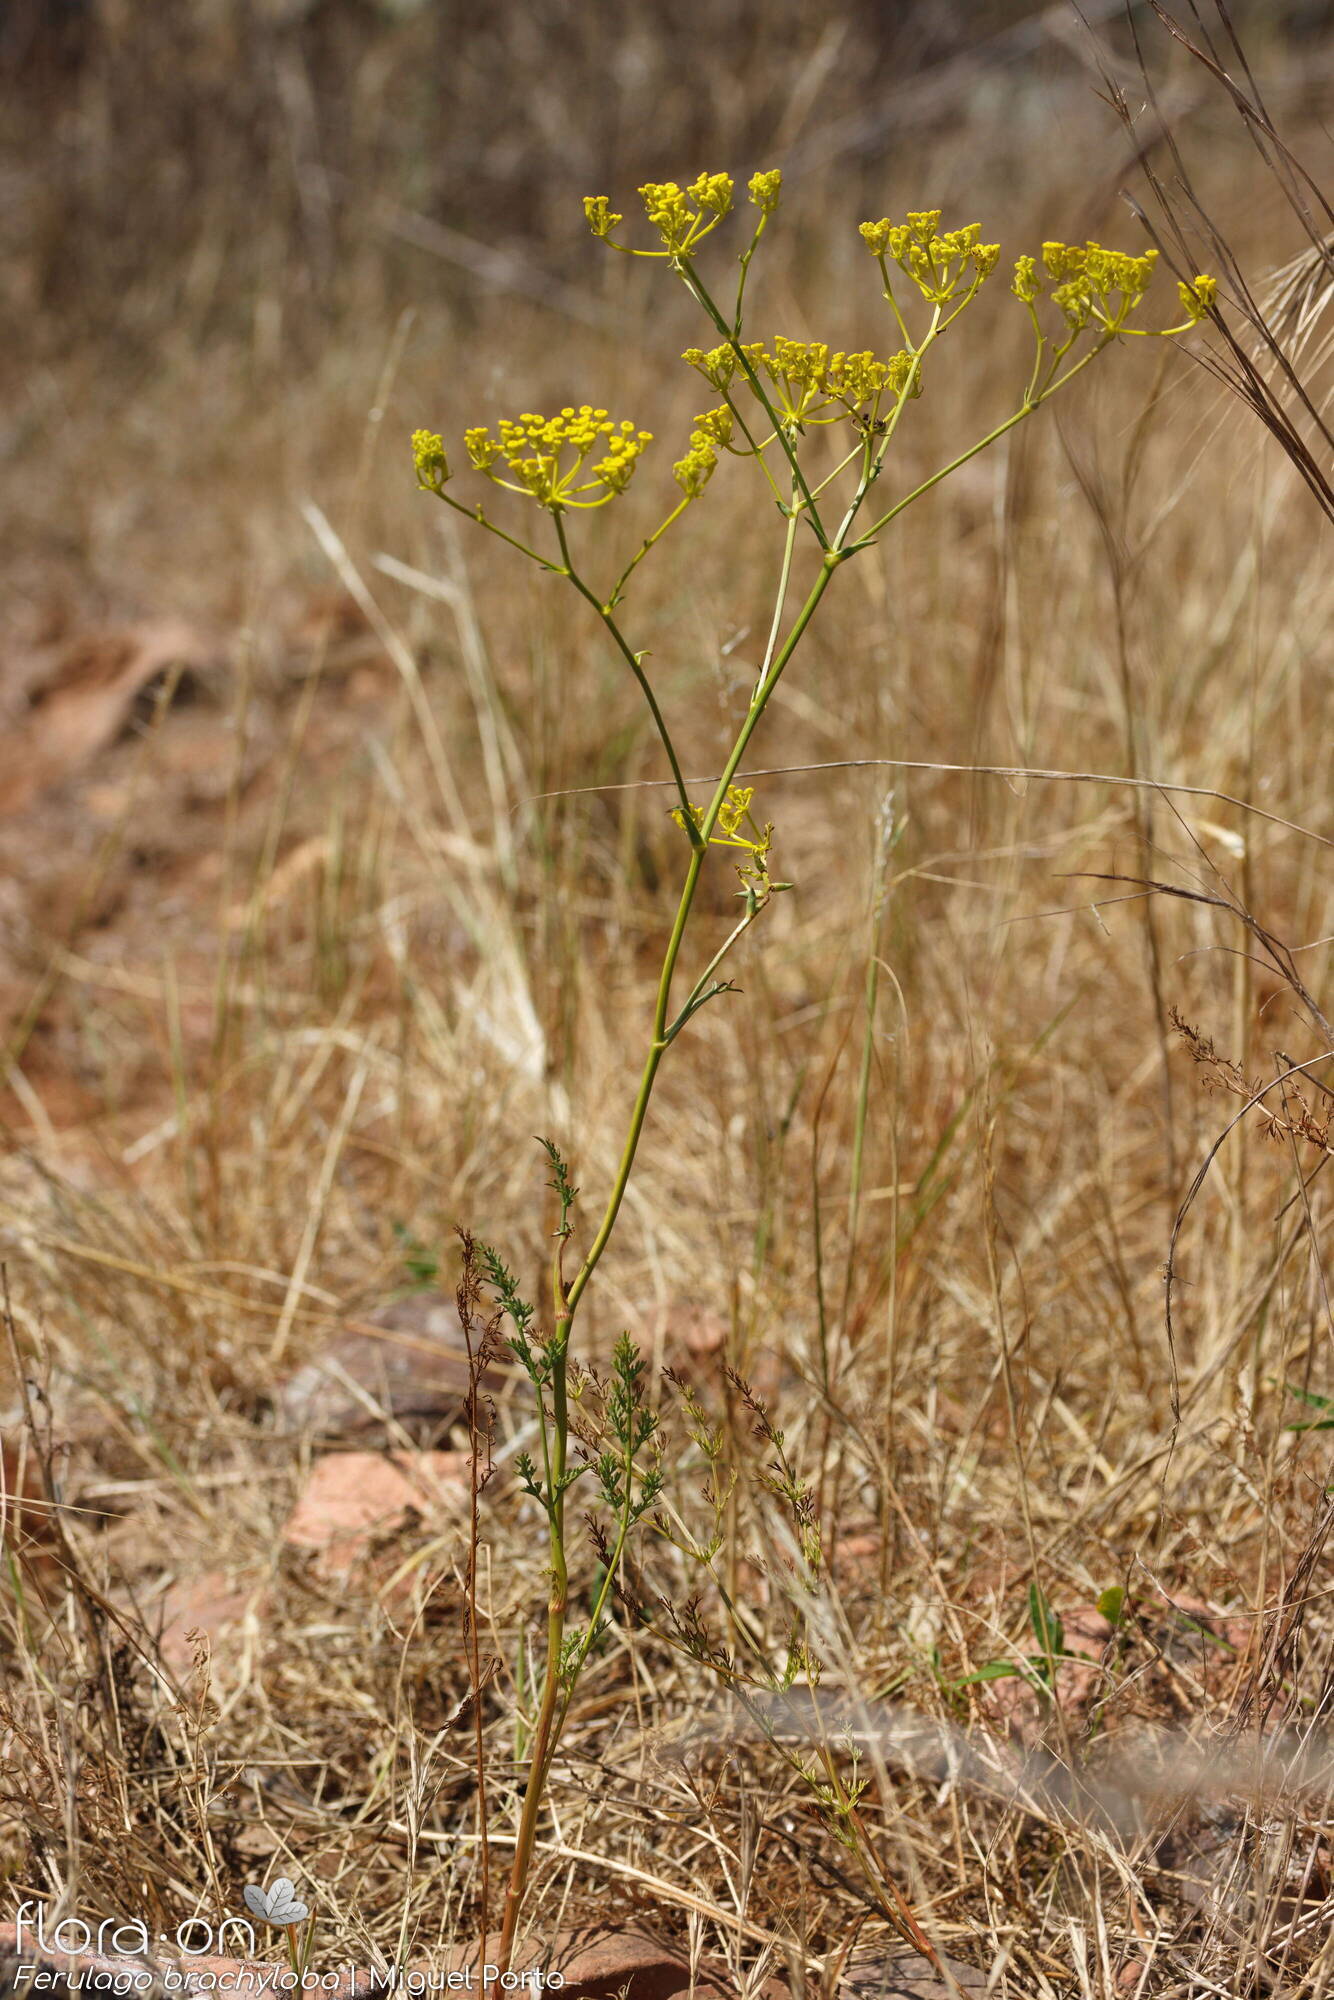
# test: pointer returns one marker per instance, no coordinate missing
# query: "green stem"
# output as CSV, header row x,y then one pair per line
x,y
876,459
631,658
1025,410
757,451
893,302
618,587
623,1527
558,1688
660,1042
858,451
784,576
694,998
476,514
546,1733
745,258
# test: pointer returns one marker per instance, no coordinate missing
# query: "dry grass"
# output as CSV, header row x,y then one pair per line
x,y
303,960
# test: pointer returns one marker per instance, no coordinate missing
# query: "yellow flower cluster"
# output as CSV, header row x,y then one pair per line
x,y
860,378
1091,285
693,472
601,219
716,364
682,217
680,226
716,425
548,456
764,190
734,811
1027,284
712,434
428,455
808,378
937,264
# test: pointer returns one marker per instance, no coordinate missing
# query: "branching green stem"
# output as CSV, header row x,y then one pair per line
x,y
618,588
606,614
1050,374
478,515
1025,410
661,1038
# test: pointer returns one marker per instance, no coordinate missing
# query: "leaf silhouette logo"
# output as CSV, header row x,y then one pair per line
x,y
276,1906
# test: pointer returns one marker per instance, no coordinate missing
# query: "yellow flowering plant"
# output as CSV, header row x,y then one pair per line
x,y
774,398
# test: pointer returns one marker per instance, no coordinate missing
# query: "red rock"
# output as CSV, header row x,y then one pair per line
x,y
601,1965
703,1333
209,1604
856,1552
1182,1611
1015,1702
354,1497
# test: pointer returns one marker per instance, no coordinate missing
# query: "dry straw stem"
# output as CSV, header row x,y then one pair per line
x,y
1262,348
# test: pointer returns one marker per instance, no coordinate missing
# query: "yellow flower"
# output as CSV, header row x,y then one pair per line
x,y
1109,271
1197,298
623,454
856,378
693,472
1074,303
904,373
937,264
764,189
716,425
682,217
734,809
428,455
601,220
1093,285
481,447
712,192
717,366
730,823
669,211
1063,260
797,364
1027,284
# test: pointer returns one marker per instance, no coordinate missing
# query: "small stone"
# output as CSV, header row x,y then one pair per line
x,y
901,1975
209,1604
406,1363
354,1498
